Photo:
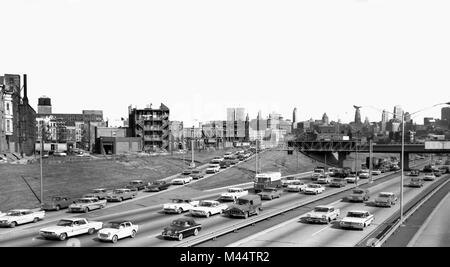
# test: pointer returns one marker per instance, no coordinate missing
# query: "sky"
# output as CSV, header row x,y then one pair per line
x,y
200,57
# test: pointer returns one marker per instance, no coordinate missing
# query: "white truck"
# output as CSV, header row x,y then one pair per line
x,y
232,194
68,227
267,180
21,216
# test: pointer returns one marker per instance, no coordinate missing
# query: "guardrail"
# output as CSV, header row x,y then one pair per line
x,y
390,229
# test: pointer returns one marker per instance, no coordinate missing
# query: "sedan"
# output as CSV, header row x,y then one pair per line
x,y
181,228
270,193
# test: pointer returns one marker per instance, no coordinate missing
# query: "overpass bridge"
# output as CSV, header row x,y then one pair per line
x,y
343,148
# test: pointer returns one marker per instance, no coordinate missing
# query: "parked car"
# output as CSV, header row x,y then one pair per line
x,y
322,214
69,227
113,231
21,216
232,194
57,203
182,180
59,154
429,177
100,193
338,182
314,189
296,186
121,194
213,168
416,182
136,185
270,193
157,186
357,219
87,204
245,206
181,228
179,205
207,208
359,194
385,199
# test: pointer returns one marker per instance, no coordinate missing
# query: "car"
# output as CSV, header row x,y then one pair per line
x,y
385,199
87,204
359,194
322,214
234,161
224,164
232,194
182,180
324,180
244,207
394,168
69,227
100,193
181,228
270,193
121,194
437,173
338,182
358,219
296,186
314,189
364,175
213,168
217,160
197,176
59,154
416,182
180,205
317,175
352,179
157,186
113,231
288,180
376,172
21,216
136,185
414,173
187,172
206,208
57,203
429,177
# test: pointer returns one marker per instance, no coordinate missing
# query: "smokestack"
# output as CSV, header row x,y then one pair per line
x,y
25,93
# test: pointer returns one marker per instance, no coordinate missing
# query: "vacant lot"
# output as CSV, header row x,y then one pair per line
x,y
269,161
74,177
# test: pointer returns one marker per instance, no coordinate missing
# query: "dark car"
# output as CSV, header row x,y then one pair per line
x,y
136,185
181,228
57,203
414,173
245,206
187,172
416,182
437,173
224,164
270,193
157,186
385,199
338,182
234,161
197,176
359,194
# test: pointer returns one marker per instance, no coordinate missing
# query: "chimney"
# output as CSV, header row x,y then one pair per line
x,y
25,93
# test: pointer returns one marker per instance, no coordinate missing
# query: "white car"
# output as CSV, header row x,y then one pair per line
x,y
324,180
352,179
376,172
213,168
358,219
296,186
116,230
322,214
21,216
364,175
217,160
182,180
314,189
180,205
207,208
429,177
68,227
232,194
288,180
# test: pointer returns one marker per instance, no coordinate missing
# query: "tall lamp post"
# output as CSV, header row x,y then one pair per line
x,y
403,152
43,125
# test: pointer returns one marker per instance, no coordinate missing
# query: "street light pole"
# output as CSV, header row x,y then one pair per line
x,y
403,166
370,160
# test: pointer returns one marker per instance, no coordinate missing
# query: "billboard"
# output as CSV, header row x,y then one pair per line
x,y
437,145
12,83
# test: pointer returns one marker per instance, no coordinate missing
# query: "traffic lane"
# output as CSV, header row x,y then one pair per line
x,y
298,233
436,231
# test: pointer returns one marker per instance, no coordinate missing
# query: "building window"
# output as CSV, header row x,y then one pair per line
x,y
8,126
7,107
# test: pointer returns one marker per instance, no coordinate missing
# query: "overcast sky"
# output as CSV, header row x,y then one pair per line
x,y
200,57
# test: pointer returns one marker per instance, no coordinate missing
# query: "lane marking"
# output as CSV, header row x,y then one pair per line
x,y
328,226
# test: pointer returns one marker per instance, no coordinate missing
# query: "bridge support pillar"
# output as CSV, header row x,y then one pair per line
x,y
341,157
406,165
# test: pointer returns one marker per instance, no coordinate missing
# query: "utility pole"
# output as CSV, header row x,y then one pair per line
x,y
256,157
192,147
402,170
370,160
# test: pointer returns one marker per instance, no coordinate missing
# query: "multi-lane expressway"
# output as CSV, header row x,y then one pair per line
x,y
287,232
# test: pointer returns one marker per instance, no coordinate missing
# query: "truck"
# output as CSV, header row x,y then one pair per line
x,y
68,227
245,206
267,180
